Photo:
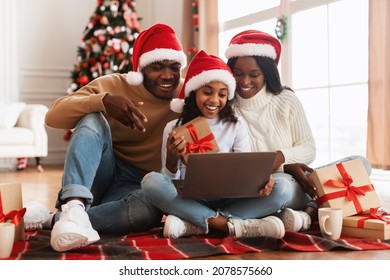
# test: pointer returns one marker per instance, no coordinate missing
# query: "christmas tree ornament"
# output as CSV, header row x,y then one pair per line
x,y
114,8
104,20
83,80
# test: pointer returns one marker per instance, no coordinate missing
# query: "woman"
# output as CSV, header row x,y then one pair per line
x,y
276,122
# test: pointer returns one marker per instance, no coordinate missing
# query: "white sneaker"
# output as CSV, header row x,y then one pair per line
x,y
175,227
37,216
270,226
72,230
295,220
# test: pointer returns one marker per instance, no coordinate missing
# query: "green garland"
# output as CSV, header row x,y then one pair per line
x,y
281,28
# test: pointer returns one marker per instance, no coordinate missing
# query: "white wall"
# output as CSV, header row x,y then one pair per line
x,y
9,70
39,40
161,11
50,32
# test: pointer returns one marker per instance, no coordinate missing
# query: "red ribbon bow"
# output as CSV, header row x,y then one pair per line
x,y
350,192
199,145
14,215
375,213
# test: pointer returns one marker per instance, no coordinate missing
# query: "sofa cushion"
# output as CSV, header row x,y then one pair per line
x,y
16,136
9,113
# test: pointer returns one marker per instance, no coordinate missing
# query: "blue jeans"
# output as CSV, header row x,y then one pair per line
x,y
110,187
285,193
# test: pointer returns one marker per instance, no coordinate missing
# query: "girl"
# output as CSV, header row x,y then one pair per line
x,y
208,90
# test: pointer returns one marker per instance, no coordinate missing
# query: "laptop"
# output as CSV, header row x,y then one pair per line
x,y
225,175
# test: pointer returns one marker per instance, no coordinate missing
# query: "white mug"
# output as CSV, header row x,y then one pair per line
x,y
331,222
7,236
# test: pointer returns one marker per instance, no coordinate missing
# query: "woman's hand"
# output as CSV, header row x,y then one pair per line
x,y
266,191
125,111
298,171
176,148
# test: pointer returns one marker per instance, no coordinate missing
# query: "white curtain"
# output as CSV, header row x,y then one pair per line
x,y
9,48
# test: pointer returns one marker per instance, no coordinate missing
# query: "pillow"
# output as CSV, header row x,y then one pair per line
x,y
9,114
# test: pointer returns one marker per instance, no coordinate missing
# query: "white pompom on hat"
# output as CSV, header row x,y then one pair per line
x,y
157,43
254,43
203,69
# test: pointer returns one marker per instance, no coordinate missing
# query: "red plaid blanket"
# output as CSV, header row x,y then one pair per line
x,y
152,245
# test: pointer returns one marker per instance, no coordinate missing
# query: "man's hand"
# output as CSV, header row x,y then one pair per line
x,y
266,191
125,111
297,170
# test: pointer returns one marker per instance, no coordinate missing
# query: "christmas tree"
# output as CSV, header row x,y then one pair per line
x,y
107,42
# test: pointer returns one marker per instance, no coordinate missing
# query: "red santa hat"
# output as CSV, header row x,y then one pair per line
x,y
254,43
203,69
157,43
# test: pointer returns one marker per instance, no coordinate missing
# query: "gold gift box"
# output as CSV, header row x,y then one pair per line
x,y
11,199
361,191
366,228
199,137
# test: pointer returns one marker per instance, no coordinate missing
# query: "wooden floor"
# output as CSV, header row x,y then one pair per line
x,y
44,186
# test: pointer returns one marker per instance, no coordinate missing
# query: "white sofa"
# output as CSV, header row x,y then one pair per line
x,y
22,131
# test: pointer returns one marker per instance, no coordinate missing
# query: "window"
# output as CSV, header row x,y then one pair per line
x,y
242,8
327,66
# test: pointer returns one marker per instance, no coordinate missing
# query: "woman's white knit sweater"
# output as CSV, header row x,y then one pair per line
x,y
278,122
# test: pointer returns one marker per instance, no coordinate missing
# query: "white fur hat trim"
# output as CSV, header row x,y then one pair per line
x,y
208,76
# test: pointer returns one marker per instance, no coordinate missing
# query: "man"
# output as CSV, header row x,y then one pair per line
x,y
118,121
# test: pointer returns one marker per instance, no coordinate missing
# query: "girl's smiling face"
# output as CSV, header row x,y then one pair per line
x,y
211,98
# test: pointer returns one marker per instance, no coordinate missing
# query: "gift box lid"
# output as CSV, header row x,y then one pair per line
x,y
355,168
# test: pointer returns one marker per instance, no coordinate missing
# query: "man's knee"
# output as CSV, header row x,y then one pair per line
x,y
94,121
142,214
150,182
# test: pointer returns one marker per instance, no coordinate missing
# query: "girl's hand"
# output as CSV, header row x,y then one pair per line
x,y
176,148
266,191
